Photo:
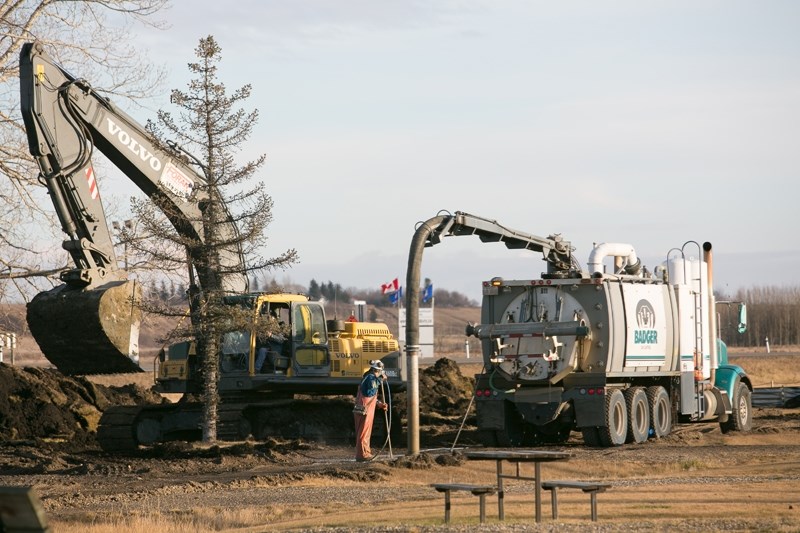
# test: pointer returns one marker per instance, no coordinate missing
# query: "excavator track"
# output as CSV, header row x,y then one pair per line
x,y
125,428
327,419
90,331
232,425
115,432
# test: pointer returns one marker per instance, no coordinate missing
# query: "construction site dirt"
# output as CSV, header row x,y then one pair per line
x,y
695,479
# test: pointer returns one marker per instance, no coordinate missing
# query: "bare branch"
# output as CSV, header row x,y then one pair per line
x,y
94,35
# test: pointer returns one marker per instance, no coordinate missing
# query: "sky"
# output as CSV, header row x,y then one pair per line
x,y
649,123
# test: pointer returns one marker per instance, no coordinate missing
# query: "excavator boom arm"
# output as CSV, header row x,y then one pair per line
x,y
65,120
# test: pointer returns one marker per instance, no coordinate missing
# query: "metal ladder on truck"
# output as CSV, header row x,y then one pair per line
x,y
699,339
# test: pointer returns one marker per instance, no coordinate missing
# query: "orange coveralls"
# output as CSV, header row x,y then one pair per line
x,y
364,414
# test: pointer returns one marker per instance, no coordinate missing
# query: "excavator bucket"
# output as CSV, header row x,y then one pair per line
x,y
88,331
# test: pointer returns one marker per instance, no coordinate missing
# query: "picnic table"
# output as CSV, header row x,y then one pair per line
x,y
517,457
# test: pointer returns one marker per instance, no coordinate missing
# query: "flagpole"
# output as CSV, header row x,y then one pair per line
x,y
399,306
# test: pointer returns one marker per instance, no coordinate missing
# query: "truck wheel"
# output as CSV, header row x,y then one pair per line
x,y
615,431
741,419
660,411
638,414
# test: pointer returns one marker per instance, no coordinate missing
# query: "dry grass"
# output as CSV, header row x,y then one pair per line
x,y
691,486
772,370
173,520
624,504
670,506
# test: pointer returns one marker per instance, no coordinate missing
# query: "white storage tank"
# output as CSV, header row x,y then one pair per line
x,y
689,278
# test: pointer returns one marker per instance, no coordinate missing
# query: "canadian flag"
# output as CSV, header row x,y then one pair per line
x,y
392,286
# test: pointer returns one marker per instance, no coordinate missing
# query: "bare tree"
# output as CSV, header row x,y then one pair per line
x,y
234,213
772,313
94,34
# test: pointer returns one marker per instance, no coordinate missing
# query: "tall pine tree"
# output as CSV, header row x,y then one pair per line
x,y
233,212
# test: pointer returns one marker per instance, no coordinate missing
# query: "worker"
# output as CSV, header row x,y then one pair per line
x,y
364,410
352,317
269,351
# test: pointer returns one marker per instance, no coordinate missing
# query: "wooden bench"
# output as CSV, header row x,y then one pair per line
x,y
478,490
586,486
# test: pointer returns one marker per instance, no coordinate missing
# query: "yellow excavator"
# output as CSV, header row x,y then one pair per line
x,y
90,323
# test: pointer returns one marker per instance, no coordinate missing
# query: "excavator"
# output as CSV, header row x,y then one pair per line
x,y
89,324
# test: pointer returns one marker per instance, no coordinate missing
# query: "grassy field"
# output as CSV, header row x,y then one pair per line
x,y
772,370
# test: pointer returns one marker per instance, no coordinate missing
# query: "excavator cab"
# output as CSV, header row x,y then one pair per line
x,y
288,337
310,352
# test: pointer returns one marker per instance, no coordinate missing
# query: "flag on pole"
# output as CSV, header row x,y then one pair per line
x,y
395,296
392,286
427,293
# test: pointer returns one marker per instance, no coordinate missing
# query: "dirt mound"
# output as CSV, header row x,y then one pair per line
x,y
45,406
443,391
426,461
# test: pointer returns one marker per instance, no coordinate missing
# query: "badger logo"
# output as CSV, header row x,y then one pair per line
x,y
645,315
646,320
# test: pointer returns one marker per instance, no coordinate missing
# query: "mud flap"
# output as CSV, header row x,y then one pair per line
x,y
589,409
587,395
490,414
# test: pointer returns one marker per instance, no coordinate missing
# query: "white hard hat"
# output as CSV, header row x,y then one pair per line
x,y
377,365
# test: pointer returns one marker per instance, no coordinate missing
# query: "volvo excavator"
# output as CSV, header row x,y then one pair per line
x,y
90,323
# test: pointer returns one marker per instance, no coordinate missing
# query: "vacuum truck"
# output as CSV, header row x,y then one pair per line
x,y
613,351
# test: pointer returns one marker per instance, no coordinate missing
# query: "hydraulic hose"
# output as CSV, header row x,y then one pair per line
x,y
495,389
387,417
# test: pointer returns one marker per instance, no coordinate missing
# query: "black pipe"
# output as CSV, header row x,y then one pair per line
x,y
412,325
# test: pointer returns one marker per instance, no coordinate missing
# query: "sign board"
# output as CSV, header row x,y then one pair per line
x,y
646,325
361,310
425,330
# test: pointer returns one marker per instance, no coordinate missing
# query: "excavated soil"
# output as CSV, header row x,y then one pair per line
x,y
46,407
694,479
43,405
